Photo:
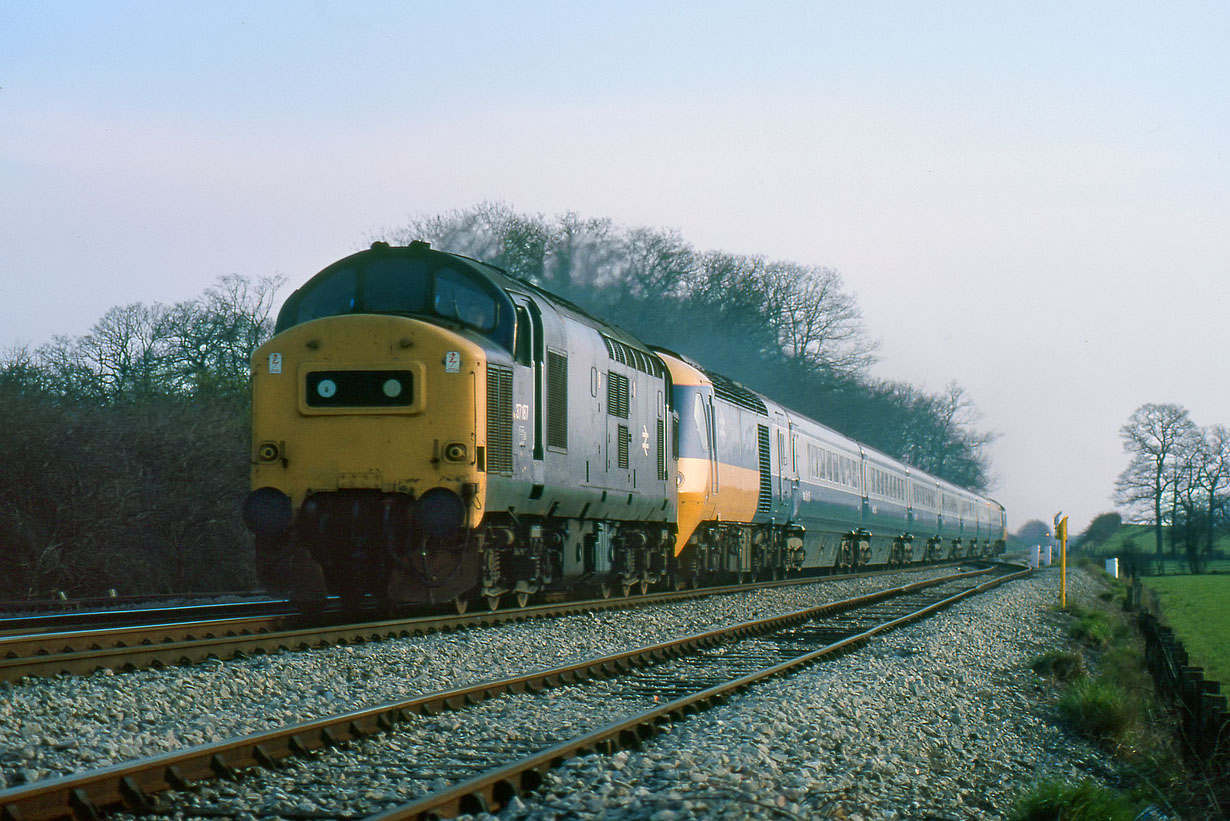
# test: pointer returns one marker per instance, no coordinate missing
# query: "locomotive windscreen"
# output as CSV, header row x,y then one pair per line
x,y
407,285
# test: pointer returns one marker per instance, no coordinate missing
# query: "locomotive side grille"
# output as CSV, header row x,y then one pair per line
x,y
764,503
557,400
661,450
643,361
624,439
617,394
499,419
736,394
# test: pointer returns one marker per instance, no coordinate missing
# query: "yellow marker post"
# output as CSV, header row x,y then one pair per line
x,y
1061,533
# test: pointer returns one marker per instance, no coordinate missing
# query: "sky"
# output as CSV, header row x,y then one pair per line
x,y
1031,199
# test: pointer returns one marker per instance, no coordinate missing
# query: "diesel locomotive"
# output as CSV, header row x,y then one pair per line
x,y
429,428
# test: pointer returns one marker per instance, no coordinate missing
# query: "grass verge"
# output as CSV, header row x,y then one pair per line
x,y
1057,801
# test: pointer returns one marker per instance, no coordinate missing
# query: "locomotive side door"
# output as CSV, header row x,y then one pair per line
x,y
529,354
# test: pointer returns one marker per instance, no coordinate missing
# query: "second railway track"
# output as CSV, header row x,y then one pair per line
x,y
193,634
507,749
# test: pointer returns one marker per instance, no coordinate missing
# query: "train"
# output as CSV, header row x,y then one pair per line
x,y
429,428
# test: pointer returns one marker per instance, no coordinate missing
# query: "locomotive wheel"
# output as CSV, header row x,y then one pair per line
x,y
522,598
627,589
493,602
605,591
462,604
644,586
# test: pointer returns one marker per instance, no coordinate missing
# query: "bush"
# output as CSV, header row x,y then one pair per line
x,y
1057,801
1060,664
141,496
1092,627
1099,709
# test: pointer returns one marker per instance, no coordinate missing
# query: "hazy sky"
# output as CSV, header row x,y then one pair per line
x,y
1032,199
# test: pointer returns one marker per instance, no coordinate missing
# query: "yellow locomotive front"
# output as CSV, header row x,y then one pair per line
x,y
368,428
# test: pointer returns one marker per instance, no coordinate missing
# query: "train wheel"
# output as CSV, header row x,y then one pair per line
x,y
493,602
522,598
604,590
462,604
627,590
644,586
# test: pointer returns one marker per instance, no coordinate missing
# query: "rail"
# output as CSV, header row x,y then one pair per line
x,y
132,785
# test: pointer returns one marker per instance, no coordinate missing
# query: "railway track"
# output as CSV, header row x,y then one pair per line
x,y
492,745
70,620
61,644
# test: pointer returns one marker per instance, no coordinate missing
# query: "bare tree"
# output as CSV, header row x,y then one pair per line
x,y
211,340
1151,437
819,324
1214,478
941,434
787,329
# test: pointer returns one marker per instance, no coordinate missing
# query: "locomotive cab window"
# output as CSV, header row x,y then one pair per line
x,y
330,297
405,285
455,297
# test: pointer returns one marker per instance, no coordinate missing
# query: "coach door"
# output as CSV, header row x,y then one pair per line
x,y
795,499
781,431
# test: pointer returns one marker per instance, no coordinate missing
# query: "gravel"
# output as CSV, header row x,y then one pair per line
x,y
57,726
941,720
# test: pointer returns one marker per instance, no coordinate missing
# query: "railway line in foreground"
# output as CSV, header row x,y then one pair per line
x,y
80,644
641,690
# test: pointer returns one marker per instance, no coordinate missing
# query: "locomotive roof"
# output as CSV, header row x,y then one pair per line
x,y
511,283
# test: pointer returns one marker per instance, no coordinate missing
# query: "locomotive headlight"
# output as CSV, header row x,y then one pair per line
x,y
268,452
327,388
454,452
392,388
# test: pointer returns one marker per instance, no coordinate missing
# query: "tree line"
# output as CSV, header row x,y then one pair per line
x,y
126,449
790,331
1177,479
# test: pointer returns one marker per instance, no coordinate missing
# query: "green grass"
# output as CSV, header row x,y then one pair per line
x,y
1100,709
1141,539
1198,609
1057,801
1061,665
1091,627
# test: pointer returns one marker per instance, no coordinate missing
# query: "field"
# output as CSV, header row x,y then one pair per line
x,y
1195,606
1139,539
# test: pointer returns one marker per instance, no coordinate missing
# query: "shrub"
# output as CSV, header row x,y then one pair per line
x,y
1099,709
1057,801
142,497
1093,628
1059,664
